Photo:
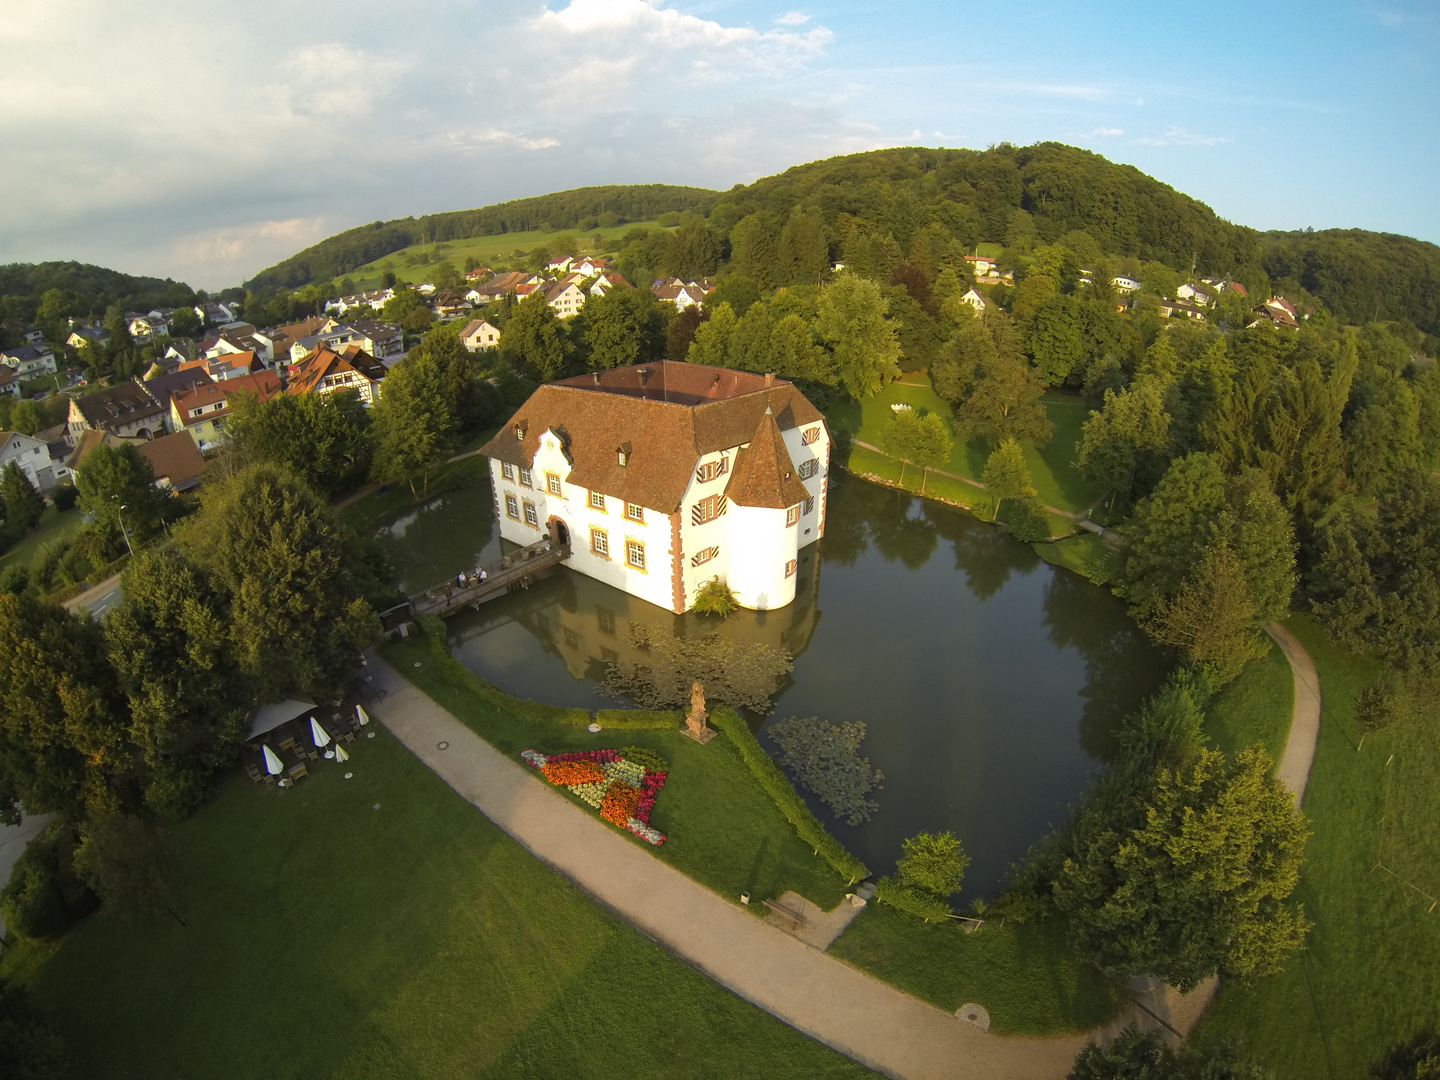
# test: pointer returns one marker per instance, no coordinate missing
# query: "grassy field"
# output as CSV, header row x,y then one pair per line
x,y
1255,708
382,927
1370,974
1052,467
487,249
1086,554
722,829
368,513
54,524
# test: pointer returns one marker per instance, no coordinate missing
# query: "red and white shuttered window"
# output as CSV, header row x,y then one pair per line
x,y
700,558
808,468
792,515
810,435
790,568
708,509
712,469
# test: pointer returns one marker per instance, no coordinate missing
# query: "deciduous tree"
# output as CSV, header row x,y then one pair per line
x,y
413,424
851,320
1006,475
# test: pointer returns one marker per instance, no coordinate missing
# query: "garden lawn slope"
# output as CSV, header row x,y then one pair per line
x,y
380,927
721,828
1370,973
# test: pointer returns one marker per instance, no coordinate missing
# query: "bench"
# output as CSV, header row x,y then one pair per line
x,y
795,919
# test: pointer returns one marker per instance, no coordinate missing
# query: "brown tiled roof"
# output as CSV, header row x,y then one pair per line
x,y
174,458
163,387
122,403
306,375
93,438
763,474
670,413
263,384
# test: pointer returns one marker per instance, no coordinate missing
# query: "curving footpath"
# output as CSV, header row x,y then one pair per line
x,y
858,1015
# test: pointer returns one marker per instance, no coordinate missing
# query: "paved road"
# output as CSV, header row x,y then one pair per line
x,y
1294,767
98,599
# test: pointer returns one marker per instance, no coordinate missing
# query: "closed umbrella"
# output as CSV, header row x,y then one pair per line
x,y
272,763
340,754
319,734
362,715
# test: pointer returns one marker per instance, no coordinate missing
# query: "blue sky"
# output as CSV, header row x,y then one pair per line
x,y
204,142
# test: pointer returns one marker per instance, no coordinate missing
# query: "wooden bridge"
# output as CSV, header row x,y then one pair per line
x,y
515,570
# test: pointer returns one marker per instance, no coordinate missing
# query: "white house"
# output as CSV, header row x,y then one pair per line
x,y
31,454
565,298
975,300
145,327
1124,284
1196,294
589,267
29,361
605,282
479,334
679,293
663,476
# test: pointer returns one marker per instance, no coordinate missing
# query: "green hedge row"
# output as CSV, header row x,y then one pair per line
x,y
913,901
636,719
729,723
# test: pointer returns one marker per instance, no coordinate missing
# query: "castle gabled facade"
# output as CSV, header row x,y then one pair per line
x,y
662,476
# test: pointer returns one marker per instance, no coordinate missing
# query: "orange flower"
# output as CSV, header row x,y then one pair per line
x,y
619,804
566,773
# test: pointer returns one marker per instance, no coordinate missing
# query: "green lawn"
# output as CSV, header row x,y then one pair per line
x,y
54,524
1052,467
722,829
369,513
1255,708
1370,974
382,927
1028,979
1086,554
487,249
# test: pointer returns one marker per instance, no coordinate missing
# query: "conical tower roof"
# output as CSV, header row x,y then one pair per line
x,y
763,474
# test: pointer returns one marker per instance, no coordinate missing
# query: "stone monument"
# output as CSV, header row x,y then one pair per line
x,y
695,725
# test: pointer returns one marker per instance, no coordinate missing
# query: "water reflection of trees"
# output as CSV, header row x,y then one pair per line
x,y
1122,666
986,555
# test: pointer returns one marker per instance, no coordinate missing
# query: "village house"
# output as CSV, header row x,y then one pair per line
x,y
54,440
560,265
125,409
32,455
588,267
34,335
217,314
1123,284
373,300
144,327
283,338
1196,294
164,388
9,384
227,365
381,340
29,361
326,371
663,476
480,273
605,282
1178,308
565,298
479,334
447,304
1276,310
502,285
681,294
95,336
981,265
975,300
202,413
176,462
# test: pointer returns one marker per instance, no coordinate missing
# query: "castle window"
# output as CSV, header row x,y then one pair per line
x,y
512,507
700,558
635,554
597,501
552,483
508,471
711,469
810,505
635,512
810,435
792,515
600,543
525,477
790,568
708,509
531,518
809,468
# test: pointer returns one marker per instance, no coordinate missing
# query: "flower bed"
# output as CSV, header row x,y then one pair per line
x,y
622,790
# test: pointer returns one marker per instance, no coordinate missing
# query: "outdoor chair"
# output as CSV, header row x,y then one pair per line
x,y
297,771
287,743
255,774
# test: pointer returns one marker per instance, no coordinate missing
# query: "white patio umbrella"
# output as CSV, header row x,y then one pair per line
x,y
319,734
362,715
340,754
272,763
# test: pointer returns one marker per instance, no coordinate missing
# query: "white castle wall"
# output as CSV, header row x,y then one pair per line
x,y
761,550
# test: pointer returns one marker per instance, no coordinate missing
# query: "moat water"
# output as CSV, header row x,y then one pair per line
x,y
990,683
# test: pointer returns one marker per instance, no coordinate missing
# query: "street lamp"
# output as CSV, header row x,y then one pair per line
x,y
123,531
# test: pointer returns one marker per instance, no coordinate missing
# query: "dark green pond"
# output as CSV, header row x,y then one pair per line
x,y
990,682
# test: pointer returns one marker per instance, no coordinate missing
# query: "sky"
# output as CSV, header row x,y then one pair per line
x,y
206,141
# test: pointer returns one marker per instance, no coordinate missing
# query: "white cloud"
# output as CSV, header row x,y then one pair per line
x,y
1107,131
240,245
334,81
792,18
1179,136
490,137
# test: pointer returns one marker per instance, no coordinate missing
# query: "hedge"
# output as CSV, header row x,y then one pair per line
x,y
912,901
729,723
636,719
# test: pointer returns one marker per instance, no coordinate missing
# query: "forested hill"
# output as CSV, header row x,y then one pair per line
x,y
79,288
579,208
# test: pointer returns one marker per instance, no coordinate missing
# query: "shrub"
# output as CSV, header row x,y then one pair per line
x,y
1378,705
715,598
1029,521
911,901
33,901
646,758
64,496
639,719
729,723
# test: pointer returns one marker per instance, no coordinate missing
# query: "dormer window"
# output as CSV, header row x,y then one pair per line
x,y
520,431
622,455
